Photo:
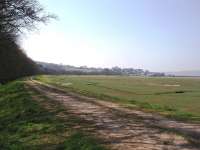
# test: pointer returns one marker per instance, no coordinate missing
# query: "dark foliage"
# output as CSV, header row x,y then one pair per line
x,y
13,62
15,17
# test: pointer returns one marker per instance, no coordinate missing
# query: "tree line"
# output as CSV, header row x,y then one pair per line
x,y
17,16
59,69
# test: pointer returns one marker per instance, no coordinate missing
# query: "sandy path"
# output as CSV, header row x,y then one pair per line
x,y
122,128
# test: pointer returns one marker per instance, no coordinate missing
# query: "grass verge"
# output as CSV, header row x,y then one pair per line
x,y
25,124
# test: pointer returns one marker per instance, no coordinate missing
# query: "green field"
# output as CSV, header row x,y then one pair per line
x,y
26,124
175,97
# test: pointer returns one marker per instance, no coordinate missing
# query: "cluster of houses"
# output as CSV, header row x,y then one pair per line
x,y
50,68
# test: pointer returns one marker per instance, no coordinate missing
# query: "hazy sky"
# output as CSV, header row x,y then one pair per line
x,y
159,35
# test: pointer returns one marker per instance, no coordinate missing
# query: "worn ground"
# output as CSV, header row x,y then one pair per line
x,y
123,128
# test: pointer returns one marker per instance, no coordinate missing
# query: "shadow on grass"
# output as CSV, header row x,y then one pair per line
x,y
25,124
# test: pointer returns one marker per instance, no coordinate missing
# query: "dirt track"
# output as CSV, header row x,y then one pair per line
x,y
122,128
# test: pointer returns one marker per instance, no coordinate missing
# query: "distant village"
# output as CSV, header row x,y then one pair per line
x,y
50,68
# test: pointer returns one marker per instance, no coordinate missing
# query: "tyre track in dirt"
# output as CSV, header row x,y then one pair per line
x,y
122,128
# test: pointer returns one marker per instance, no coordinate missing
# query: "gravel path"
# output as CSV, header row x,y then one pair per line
x,y
123,128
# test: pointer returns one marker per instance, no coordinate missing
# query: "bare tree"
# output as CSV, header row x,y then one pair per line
x,y
17,15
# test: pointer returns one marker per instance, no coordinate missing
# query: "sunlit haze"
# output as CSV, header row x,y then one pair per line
x,y
149,34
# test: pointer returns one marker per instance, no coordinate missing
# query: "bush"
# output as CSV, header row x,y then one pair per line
x,y
13,62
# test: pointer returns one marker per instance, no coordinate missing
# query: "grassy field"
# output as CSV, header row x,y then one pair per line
x,y
175,97
26,124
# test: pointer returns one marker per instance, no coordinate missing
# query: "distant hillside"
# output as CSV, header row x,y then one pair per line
x,y
194,73
50,68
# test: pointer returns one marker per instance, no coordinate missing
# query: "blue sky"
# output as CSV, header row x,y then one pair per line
x,y
158,35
